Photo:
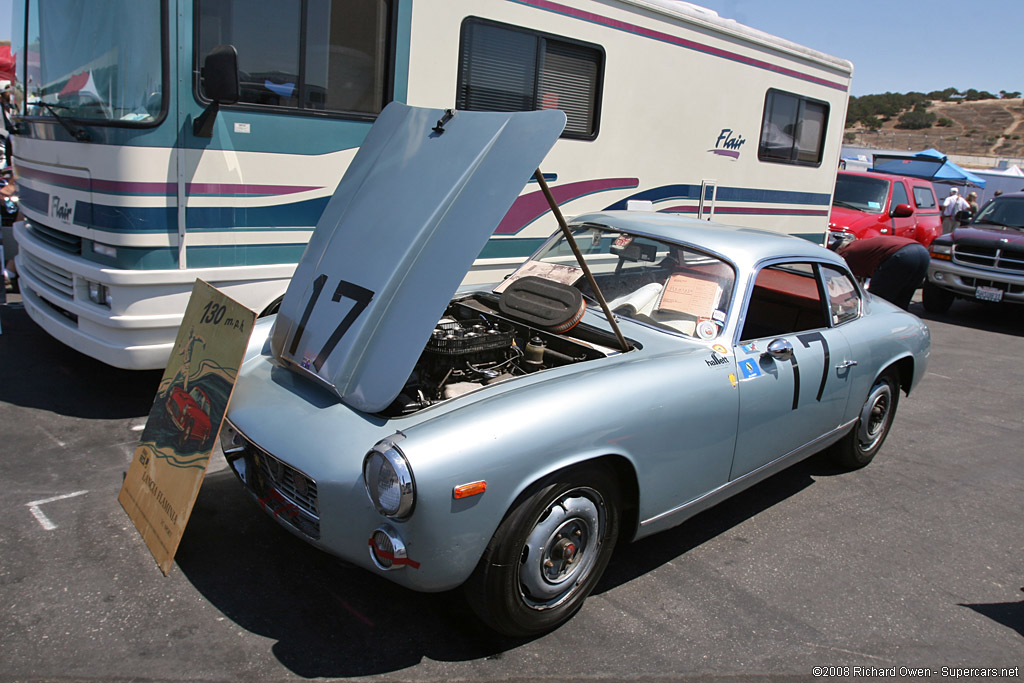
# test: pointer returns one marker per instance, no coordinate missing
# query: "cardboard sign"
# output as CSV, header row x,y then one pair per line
x,y
170,461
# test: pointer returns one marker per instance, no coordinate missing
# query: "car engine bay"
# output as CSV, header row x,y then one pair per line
x,y
475,345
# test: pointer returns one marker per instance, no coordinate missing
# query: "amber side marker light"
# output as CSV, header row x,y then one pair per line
x,y
466,490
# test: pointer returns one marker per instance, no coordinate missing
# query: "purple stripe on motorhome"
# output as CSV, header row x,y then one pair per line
x,y
748,210
529,207
675,40
159,188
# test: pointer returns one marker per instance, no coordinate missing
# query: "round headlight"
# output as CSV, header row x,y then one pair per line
x,y
388,481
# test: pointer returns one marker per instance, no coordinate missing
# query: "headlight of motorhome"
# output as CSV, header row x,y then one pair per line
x,y
99,294
388,480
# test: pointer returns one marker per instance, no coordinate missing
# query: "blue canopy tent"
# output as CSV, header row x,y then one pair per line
x,y
930,164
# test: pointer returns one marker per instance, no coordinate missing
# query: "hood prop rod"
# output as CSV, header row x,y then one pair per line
x,y
579,257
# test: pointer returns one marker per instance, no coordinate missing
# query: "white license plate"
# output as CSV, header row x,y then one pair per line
x,y
988,294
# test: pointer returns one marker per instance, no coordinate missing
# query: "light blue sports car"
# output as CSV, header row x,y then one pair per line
x,y
639,368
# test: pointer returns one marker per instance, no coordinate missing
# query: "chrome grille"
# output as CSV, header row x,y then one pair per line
x,y
56,278
995,258
57,239
292,484
283,492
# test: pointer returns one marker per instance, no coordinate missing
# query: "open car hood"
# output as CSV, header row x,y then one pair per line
x,y
414,209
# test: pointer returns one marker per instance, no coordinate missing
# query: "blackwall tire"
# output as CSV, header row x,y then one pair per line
x,y
935,299
548,553
860,446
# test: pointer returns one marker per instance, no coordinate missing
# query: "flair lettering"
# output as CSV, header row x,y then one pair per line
x,y
728,140
60,210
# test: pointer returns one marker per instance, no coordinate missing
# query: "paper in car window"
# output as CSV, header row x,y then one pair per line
x,y
874,205
689,295
556,272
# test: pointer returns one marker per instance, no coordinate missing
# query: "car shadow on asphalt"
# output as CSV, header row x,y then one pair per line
x,y
989,317
40,372
332,620
1009,614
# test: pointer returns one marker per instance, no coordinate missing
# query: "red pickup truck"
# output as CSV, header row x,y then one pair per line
x,y
871,204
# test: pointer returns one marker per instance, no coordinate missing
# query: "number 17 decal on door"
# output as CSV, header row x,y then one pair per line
x,y
806,339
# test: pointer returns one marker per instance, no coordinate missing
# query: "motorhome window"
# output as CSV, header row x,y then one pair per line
x,y
899,195
924,198
793,129
99,62
323,55
506,68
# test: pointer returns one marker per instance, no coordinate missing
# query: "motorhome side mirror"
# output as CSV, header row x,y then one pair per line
x,y
219,75
902,211
218,80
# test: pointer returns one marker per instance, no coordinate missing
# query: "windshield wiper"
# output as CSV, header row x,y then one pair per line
x,y
77,133
840,202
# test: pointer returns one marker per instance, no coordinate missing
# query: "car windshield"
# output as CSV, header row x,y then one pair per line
x,y
860,192
674,287
1008,212
97,60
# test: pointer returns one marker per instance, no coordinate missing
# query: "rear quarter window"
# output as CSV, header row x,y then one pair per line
x,y
924,198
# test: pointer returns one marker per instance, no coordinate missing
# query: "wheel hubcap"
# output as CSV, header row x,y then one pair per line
x,y
874,416
562,549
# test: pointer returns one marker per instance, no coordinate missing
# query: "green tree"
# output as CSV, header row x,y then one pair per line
x,y
916,119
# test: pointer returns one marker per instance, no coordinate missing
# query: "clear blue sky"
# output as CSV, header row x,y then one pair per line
x,y
895,45
900,45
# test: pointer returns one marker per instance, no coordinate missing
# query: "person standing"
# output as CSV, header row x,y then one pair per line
x,y
896,265
952,205
972,206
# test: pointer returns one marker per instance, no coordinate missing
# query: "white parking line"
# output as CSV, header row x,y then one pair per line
x,y
43,520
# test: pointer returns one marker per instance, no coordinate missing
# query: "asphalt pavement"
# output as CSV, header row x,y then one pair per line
x,y
915,562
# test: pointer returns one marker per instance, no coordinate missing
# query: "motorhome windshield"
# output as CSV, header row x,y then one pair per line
x,y
95,61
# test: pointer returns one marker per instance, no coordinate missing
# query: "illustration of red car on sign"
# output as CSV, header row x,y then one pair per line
x,y
190,413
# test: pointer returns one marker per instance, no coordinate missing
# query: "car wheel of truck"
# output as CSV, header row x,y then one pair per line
x,y
935,299
859,447
548,553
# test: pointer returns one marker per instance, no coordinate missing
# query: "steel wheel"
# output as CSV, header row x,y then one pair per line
x,y
562,549
859,447
548,553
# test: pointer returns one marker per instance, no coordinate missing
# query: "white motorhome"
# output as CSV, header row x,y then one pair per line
x,y
127,200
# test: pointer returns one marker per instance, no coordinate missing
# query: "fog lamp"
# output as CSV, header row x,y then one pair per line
x,y
99,294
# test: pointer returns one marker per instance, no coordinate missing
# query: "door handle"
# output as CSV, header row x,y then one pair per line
x,y
846,364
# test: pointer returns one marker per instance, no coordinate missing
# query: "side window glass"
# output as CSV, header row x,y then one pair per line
x,y
899,195
843,298
785,299
793,129
323,55
506,68
924,198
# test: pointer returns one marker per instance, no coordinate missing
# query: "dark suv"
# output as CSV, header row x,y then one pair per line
x,y
982,261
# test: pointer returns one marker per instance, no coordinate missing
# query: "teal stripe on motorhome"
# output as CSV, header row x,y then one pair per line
x,y
166,258
243,255
511,248
403,38
282,133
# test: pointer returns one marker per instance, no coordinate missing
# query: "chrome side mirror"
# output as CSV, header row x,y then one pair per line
x,y
780,349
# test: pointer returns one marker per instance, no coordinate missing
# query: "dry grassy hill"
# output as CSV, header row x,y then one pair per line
x,y
984,128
